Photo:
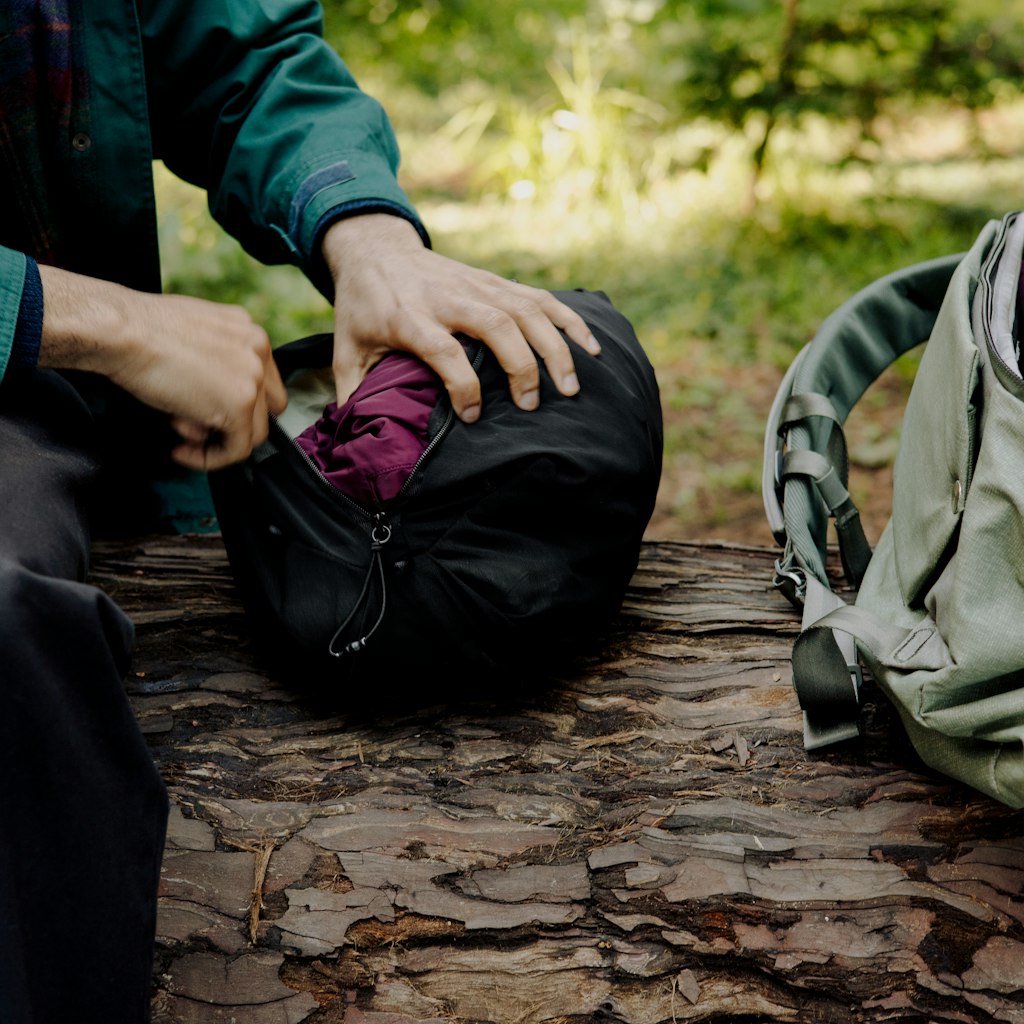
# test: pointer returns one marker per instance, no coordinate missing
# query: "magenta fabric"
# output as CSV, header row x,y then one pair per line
x,y
369,446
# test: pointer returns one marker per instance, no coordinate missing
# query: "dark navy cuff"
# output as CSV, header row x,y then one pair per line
x,y
317,270
28,331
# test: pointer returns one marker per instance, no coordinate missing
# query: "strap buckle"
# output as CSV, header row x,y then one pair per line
x,y
791,582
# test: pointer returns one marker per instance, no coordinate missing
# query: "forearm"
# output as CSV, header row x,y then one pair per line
x,y
250,103
86,322
205,364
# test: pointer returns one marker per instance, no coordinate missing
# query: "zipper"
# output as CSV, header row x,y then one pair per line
x,y
378,523
379,530
432,444
442,430
380,534
322,480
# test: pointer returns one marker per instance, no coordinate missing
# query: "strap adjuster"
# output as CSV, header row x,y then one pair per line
x,y
791,582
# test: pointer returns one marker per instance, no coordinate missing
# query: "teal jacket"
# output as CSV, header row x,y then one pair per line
x,y
241,97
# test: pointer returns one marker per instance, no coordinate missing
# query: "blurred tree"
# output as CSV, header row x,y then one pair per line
x,y
767,62
750,65
434,45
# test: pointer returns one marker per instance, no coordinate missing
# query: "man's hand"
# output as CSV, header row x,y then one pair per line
x,y
206,364
393,293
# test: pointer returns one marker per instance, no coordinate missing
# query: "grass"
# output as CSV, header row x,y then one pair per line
x,y
723,282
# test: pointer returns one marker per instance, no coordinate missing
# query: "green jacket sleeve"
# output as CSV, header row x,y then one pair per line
x,y
249,102
12,281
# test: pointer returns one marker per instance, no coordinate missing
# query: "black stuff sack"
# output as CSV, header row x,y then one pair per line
x,y
450,547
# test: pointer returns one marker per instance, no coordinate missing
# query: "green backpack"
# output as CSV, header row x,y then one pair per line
x,y
939,614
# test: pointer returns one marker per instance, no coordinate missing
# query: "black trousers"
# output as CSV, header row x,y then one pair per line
x,y
83,810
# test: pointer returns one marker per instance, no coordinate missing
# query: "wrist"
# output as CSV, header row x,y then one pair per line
x,y
85,322
353,238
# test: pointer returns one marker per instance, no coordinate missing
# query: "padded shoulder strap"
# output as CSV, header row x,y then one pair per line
x,y
805,481
872,329
851,349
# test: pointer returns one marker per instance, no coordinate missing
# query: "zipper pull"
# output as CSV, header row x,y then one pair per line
x,y
380,534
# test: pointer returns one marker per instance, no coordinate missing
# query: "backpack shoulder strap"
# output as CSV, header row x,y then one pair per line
x,y
852,348
805,472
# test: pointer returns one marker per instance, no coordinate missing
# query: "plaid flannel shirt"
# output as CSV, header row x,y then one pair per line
x,y
42,94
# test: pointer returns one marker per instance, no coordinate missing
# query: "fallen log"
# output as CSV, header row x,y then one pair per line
x,y
641,840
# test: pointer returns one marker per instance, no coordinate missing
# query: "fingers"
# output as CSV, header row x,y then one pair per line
x,y
507,339
447,358
567,320
392,293
534,329
275,391
211,447
207,448
206,364
190,431
517,325
349,367
520,324
194,456
248,389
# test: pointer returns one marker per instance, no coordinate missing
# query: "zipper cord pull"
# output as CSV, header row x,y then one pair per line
x,y
379,536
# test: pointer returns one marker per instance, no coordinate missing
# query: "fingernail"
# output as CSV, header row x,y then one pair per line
x,y
470,414
528,400
591,345
570,384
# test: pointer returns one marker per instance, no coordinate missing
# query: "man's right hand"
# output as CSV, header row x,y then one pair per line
x,y
206,364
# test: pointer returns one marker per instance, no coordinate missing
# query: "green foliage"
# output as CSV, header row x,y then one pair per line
x,y
433,46
756,64
611,143
652,65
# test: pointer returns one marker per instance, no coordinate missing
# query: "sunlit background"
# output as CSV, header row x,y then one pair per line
x,y
727,171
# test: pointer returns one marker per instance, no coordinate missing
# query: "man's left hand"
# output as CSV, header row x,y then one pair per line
x,y
391,292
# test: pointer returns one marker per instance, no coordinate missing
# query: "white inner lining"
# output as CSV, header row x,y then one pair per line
x,y
308,392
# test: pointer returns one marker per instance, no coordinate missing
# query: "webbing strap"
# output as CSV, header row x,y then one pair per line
x,y
809,403
821,471
826,673
831,712
854,548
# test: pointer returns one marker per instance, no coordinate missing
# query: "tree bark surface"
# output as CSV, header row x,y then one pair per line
x,y
642,839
